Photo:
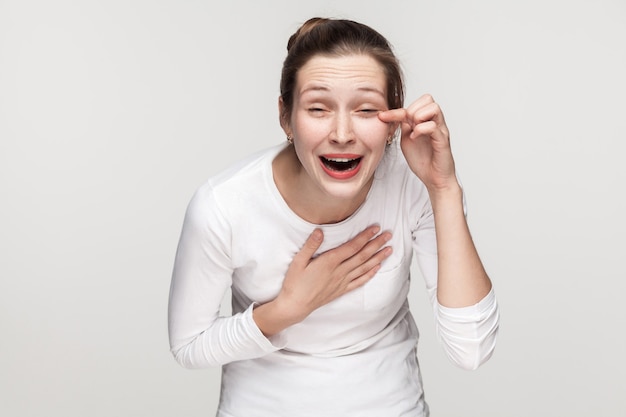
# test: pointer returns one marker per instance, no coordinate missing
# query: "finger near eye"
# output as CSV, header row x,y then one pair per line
x,y
394,115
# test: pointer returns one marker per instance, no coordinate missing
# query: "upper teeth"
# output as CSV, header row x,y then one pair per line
x,y
341,159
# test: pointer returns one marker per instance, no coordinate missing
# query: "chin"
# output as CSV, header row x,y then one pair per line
x,y
347,190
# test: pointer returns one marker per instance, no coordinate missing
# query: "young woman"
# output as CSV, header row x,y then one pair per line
x,y
315,238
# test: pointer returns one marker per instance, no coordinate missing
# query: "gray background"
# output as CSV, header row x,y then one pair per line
x,y
113,112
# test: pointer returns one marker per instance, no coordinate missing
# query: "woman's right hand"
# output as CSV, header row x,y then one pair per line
x,y
313,282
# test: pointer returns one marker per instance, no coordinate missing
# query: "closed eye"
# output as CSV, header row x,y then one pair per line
x,y
367,112
317,111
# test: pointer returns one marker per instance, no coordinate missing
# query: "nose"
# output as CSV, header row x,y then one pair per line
x,y
343,132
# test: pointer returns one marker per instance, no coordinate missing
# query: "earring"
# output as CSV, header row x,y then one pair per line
x,y
389,140
290,139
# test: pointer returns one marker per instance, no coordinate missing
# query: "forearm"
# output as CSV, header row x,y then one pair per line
x,y
273,317
227,339
462,280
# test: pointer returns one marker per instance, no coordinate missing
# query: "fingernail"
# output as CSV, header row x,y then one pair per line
x,y
317,235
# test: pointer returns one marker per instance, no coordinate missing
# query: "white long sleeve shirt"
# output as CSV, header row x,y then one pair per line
x,y
353,356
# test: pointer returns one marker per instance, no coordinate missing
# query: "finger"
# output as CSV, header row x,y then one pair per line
x,y
424,129
393,116
397,117
421,102
430,111
425,109
354,245
405,114
364,267
429,121
431,129
365,255
362,279
311,245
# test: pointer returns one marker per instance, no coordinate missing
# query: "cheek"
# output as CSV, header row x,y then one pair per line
x,y
372,130
311,127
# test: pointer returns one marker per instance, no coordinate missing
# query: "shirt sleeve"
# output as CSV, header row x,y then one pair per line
x,y
468,334
202,274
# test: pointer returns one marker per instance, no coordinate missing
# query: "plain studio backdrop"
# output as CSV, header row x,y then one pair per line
x,y
113,112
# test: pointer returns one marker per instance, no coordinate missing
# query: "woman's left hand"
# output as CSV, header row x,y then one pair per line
x,y
425,142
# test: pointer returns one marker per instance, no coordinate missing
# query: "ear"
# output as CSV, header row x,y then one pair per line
x,y
283,118
393,128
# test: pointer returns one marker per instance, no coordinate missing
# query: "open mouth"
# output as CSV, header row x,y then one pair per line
x,y
340,164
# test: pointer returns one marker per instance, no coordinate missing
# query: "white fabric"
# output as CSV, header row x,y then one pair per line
x,y
354,356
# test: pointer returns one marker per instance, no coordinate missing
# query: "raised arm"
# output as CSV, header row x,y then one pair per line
x,y
465,307
462,280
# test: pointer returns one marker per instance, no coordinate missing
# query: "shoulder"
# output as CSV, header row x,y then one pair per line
x,y
249,167
245,174
236,185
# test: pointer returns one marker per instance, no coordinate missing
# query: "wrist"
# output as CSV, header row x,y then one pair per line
x,y
275,316
444,195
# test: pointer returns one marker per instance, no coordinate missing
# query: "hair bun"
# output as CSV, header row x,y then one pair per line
x,y
304,29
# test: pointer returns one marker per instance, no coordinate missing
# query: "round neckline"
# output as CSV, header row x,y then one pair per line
x,y
293,217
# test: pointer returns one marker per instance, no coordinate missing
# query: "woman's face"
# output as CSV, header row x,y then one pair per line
x,y
338,137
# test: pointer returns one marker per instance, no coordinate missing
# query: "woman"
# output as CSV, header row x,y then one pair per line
x,y
315,239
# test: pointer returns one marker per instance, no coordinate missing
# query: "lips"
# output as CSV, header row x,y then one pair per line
x,y
341,166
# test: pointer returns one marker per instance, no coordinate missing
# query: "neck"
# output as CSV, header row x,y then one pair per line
x,y
310,203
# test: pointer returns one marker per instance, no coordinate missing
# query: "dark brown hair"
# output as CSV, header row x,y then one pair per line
x,y
338,37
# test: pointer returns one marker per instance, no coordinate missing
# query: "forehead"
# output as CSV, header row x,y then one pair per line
x,y
326,72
